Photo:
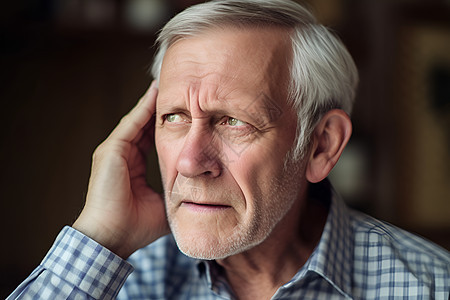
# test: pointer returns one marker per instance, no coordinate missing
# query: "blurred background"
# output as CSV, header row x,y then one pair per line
x,y
69,69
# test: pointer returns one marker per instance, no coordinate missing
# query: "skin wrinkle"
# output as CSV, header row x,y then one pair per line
x,y
250,182
252,260
214,103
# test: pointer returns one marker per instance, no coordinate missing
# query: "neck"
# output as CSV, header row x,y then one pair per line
x,y
259,272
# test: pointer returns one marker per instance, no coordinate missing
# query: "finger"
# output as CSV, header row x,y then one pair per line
x,y
147,132
131,124
146,140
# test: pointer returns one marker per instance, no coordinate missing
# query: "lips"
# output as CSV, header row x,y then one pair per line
x,y
204,207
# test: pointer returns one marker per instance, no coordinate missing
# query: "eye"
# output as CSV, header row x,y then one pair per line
x,y
235,122
174,118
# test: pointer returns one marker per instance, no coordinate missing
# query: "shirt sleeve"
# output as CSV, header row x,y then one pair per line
x,y
76,267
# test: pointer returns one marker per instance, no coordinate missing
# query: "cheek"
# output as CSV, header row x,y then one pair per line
x,y
167,156
245,172
161,151
256,169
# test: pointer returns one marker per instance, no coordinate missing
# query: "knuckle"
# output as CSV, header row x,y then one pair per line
x,y
98,151
125,120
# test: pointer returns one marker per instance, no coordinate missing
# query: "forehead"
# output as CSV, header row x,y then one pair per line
x,y
230,60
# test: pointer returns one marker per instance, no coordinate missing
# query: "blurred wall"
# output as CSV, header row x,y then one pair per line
x,y
71,68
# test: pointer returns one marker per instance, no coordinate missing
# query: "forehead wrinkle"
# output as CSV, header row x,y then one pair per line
x,y
202,96
206,98
252,67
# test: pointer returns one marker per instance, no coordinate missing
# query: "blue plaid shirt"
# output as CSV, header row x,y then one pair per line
x,y
358,257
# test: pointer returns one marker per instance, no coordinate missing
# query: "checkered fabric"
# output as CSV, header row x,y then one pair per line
x,y
76,267
358,257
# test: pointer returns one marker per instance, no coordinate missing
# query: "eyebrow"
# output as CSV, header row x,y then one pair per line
x,y
260,111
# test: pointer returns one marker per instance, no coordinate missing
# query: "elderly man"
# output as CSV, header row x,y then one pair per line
x,y
249,113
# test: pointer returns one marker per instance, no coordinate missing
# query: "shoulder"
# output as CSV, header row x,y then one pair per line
x,y
156,265
370,232
386,255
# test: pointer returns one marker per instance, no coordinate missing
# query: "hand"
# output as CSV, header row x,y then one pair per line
x,y
122,212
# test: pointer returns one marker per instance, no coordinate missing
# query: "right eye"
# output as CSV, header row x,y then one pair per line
x,y
174,118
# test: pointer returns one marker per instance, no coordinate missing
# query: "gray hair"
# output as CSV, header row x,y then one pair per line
x,y
323,74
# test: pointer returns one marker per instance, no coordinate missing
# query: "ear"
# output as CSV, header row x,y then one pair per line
x,y
328,141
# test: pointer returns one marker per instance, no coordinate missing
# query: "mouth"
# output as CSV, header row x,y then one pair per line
x,y
204,207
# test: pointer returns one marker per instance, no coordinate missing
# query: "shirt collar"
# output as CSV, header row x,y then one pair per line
x,y
333,257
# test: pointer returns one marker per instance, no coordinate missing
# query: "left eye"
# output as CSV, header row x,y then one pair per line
x,y
235,122
173,118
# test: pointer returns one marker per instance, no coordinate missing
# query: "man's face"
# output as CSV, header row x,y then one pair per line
x,y
223,131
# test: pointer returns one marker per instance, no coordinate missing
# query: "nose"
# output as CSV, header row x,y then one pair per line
x,y
200,155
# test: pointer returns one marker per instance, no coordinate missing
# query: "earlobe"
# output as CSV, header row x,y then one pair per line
x,y
328,141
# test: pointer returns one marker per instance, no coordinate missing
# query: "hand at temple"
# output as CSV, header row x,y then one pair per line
x,y
122,212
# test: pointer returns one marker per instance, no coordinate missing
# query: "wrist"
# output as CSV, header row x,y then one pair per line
x,y
111,239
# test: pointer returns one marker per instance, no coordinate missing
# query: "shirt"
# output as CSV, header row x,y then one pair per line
x,y
357,257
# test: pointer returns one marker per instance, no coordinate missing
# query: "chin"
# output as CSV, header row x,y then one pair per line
x,y
200,245
205,251
210,247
